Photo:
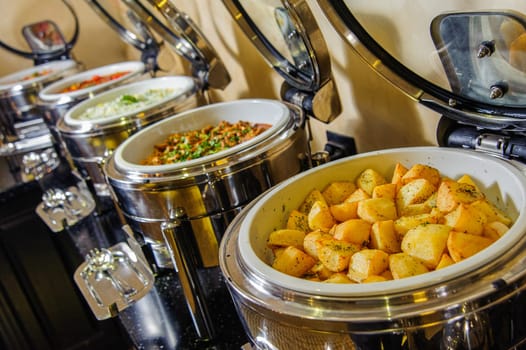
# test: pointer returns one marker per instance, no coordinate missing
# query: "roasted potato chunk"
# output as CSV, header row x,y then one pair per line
x,y
422,171
385,191
293,261
467,219
298,221
463,245
337,191
335,255
320,217
344,211
451,193
384,237
414,192
313,197
369,179
376,209
403,265
367,263
286,237
355,231
311,242
427,243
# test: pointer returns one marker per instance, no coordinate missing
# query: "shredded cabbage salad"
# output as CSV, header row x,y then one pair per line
x,y
125,103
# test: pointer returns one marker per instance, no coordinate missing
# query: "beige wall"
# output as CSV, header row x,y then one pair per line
x,y
374,112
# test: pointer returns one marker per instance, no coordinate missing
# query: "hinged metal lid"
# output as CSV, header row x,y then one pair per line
x,y
46,41
287,35
145,17
465,60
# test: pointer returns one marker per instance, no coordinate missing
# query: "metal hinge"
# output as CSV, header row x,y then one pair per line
x,y
491,143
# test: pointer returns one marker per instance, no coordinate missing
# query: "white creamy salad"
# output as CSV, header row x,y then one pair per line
x,y
124,104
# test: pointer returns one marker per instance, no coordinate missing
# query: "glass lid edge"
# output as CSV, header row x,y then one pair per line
x,y
411,84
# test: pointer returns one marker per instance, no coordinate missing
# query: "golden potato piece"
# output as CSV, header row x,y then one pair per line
x,y
385,191
321,272
355,231
494,230
399,171
313,197
337,191
344,211
294,262
415,209
320,217
466,179
366,263
357,196
298,221
369,179
426,243
403,265
463,245
450,193
414,192
422,171
338,277
285,237
384,237
376,209
311,242
375,278
445,261
467,219
491,211
405,223
335,255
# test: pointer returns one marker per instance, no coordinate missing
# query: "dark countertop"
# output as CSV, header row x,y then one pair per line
x,y
161,319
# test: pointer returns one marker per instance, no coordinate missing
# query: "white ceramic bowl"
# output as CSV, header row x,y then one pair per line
x,y
53,91
503,183
55,69
179,84
133,151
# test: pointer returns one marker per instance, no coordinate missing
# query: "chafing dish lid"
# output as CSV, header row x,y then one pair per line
x,y
466,60
173,26
287,35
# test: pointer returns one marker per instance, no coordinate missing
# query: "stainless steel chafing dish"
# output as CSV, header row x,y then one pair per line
x,y
90,141
458,60
180,211
53,101
473,304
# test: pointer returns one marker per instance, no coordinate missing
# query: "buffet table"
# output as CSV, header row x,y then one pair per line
x,y
42,307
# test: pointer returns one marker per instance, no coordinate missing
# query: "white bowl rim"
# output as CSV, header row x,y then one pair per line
x,y
49,93
126,166
11,80
262,269
185,84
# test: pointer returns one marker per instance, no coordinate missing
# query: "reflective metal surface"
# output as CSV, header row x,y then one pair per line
x,y
480,307
90,143
46,41
211,194
19,94
146,20
287,35
460,59
111,279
